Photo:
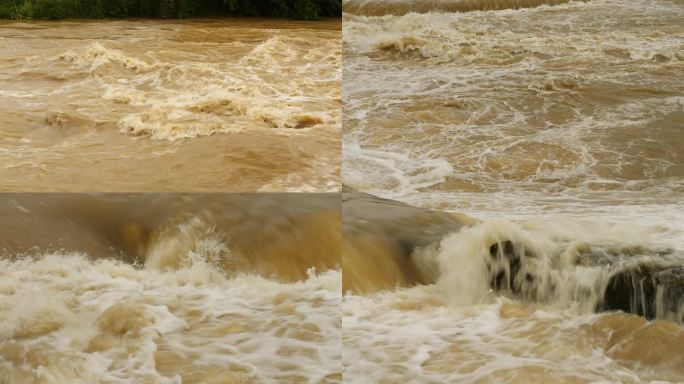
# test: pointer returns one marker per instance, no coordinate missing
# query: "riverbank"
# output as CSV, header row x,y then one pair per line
x,y
168,9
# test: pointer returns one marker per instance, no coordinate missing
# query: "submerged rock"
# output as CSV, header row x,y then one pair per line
x,y
644,283
505,267
651,290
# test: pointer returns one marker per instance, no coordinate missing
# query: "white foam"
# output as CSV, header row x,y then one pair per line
x,y
183,97
385,342
505,99
262,318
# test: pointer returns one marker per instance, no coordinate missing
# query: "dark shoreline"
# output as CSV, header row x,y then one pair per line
x,y
245,21
168,9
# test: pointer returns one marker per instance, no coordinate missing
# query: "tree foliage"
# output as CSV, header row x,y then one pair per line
x,y
59,9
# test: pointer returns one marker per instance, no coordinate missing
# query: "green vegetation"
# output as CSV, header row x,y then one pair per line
x,y
94,9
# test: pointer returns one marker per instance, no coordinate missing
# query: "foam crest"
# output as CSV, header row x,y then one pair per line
x,y
96,55
390,169
187,115
402,7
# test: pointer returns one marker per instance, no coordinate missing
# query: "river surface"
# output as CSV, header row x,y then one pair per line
x,y
209,105
168,288
559,126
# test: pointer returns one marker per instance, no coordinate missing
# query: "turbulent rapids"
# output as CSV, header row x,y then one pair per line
x,y
126,103
164,288
580,99
499,296
556,127
402,7
391,244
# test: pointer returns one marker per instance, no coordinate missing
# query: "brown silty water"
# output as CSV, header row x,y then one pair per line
x,y
433,296
580,97
163,288
209,105
557,126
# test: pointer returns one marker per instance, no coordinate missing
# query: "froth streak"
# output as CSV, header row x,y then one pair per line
x,y
402,7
